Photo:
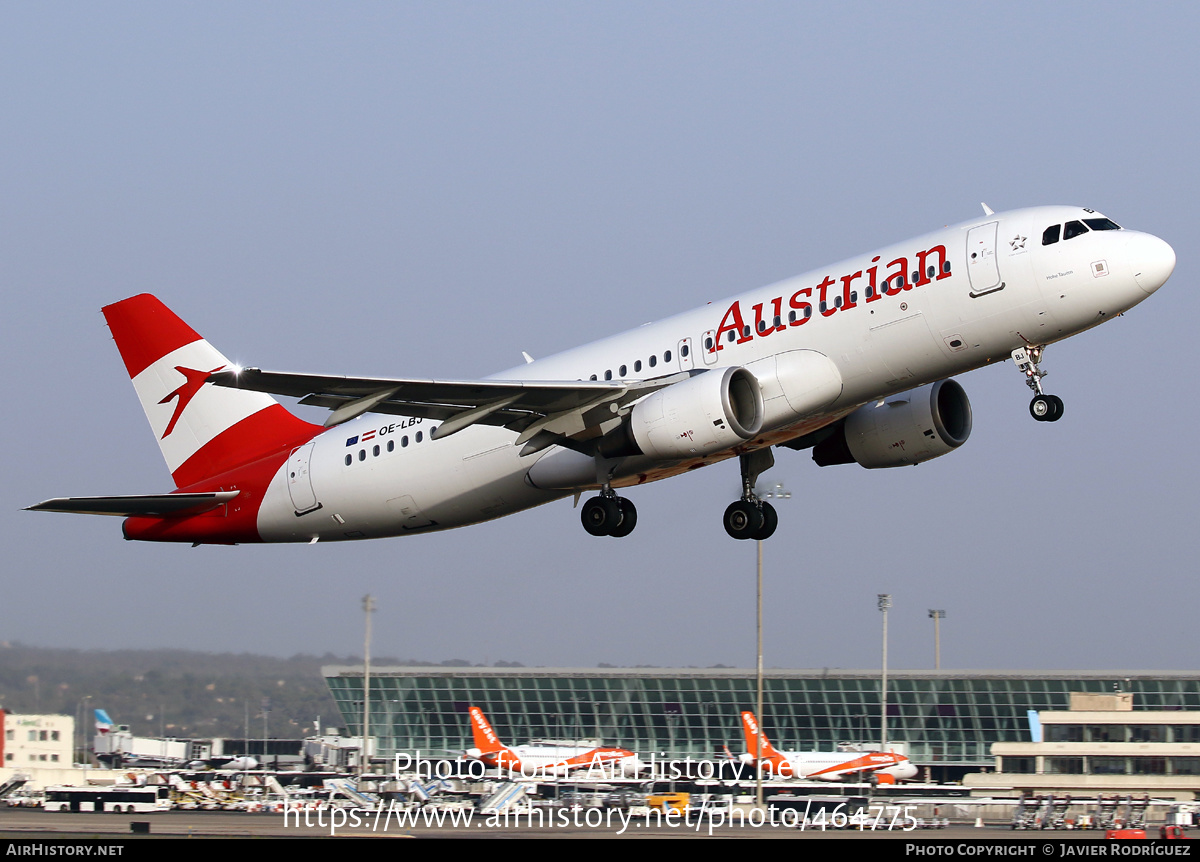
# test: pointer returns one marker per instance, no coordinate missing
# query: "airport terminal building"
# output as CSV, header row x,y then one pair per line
x,y
945,720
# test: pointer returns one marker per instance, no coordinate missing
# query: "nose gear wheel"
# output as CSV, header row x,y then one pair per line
x,y
1043,407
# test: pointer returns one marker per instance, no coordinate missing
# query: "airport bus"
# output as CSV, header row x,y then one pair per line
x,y
119,800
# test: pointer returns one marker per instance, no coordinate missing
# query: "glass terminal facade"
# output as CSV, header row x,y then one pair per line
x,y
943,718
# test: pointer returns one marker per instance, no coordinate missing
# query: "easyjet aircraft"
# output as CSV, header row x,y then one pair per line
x,y
851,361
882,766
540,758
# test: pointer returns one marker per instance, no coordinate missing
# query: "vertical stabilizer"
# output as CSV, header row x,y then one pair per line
x,y
203,430
485,738
751,728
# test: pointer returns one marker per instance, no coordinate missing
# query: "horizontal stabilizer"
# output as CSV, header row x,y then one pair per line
x,y
160,505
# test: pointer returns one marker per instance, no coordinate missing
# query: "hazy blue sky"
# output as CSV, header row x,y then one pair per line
x,y
428,189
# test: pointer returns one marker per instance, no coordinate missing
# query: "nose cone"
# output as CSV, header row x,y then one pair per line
x,y
1152,261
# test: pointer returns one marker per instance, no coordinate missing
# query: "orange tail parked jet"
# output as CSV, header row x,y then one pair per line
x,y
886,766
546,757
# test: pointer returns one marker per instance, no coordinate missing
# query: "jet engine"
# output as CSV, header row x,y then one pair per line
x,y
909,428
702,415
698,416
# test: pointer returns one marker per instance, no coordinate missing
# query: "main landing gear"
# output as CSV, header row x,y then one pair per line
x,y
609,515
1043,407
751,517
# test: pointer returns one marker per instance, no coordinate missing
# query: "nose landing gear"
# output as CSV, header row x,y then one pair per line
x,y
1043,407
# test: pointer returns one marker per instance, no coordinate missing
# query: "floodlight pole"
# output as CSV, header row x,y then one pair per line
x,y
368,604
937,616
884,602
758,708
777,492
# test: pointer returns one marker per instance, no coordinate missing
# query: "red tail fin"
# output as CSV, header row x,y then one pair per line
x,y
202,430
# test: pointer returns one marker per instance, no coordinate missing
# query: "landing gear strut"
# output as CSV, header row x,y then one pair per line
x,y
608,515
1043,407
750,517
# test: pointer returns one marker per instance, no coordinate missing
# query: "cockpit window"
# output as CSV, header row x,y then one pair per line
x,y
1050,234
1101,224
1073,229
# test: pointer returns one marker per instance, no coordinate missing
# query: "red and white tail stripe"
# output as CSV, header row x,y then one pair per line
x,y
202,430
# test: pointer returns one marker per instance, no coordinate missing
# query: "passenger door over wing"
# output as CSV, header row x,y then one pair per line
x,y
685,354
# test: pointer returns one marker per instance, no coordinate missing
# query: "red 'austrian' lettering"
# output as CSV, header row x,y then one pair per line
x,y
895,280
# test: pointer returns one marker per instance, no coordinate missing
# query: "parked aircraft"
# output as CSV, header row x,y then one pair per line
x,y
546,757
851,361
883,766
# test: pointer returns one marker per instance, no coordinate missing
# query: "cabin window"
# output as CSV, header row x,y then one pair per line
x,y
762,326
732,335
391,445
418,436
791,317
778,322
708,343
945,266
621,371
667,356
1073,229
637,366
684,351
375,451
822,307
745,332
931,272
349,460
1050,234
593,377
854,296
608,374
403,441
653,359
362,454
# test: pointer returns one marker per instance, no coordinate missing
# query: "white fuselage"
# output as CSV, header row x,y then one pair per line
x,y
998,288
846,765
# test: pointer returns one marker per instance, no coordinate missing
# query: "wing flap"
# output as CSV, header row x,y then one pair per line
x,y
159,505
563,409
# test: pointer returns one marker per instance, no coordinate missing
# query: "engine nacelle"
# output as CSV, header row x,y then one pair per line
x,y
910,428
702,415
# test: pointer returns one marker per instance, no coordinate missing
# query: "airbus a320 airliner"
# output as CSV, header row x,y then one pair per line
x,y
851,361
883,767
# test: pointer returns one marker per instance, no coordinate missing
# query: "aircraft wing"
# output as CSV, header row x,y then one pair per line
x,y
163,505
543,412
